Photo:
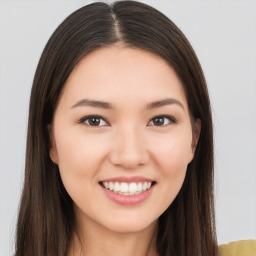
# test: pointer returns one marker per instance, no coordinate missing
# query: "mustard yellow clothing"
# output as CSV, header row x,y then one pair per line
x,y
239,248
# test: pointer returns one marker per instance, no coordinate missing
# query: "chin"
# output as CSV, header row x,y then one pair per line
x,y
129,225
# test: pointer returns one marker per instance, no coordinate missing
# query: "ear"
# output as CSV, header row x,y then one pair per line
x,y
52,150
196,134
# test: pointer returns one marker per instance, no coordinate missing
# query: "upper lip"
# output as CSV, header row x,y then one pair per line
x,y
128,179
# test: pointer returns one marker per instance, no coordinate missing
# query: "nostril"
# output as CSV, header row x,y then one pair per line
x,y
129,161
129,153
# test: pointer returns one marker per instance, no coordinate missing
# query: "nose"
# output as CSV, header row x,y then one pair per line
x,y
129,149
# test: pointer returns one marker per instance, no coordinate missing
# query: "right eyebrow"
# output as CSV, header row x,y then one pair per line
x,y
93,103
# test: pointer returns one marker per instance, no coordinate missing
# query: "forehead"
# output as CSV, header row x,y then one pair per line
x,y
120,74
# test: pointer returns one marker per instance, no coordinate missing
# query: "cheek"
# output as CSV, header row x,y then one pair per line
x,y
78,153
173,166
172,159
173,153
79,159
175,157
79,164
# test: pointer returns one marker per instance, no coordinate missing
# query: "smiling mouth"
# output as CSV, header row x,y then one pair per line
x,y
124,188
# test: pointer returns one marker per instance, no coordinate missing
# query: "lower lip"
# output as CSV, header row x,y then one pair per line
x,y
128,199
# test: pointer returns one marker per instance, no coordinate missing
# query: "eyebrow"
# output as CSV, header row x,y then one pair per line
x,y
107,105
93,103
161,103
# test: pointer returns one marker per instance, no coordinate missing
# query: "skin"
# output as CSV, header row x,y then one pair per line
x,y
126,142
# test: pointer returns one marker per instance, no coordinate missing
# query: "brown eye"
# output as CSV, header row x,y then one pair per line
x,y
162,121
94,121
158,121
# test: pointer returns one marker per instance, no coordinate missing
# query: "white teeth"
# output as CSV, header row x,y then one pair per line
x,y
127,188
124,187
144,186
117,187
139,187
110,185
105,184
132,187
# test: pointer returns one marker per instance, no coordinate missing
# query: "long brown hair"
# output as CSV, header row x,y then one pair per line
x,y
46,218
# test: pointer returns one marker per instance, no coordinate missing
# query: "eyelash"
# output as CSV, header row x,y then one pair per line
x,y
171,120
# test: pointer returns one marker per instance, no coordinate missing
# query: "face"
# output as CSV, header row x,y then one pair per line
x,y
122,138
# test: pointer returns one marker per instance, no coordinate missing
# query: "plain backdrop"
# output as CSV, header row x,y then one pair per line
x,y
223,34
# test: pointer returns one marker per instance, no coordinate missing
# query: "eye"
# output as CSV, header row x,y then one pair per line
x,y
162,121
95,121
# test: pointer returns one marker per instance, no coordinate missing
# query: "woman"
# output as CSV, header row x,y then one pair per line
x,y
120,147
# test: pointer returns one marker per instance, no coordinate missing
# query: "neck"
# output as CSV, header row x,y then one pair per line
x,y
91,239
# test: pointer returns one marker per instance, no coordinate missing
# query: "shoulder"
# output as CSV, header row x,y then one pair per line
x,y
238,248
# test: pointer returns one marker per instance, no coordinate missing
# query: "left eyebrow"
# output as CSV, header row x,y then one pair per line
x,y
161,103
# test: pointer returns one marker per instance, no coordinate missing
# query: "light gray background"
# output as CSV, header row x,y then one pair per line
x,y
223,34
